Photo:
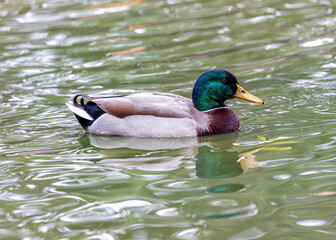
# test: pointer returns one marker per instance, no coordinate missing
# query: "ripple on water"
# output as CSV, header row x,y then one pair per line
x,y
215,207
243,212
313,223
225,188
250,233
118,212
169,187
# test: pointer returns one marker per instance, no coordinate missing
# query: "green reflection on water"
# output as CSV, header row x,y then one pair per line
x,y
226,188
221,164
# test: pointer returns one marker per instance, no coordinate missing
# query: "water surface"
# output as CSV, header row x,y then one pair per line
x,y
275,179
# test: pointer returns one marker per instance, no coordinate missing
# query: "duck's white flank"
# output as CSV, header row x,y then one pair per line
x,y
144,126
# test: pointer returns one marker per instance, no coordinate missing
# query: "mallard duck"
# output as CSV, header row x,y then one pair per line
x,y
163,114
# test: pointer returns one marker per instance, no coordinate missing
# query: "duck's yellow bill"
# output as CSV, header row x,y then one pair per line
x,y
243,94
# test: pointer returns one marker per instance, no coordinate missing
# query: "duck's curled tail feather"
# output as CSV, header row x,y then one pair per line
x,y
85,110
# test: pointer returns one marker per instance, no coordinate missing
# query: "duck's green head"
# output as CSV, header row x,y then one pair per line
x,y
212,88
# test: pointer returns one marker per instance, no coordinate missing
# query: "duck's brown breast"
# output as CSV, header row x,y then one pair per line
x,y
221,120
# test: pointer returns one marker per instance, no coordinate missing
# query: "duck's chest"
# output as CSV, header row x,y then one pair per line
x,y
220,120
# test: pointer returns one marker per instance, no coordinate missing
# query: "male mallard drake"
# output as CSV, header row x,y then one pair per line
x,y
165,115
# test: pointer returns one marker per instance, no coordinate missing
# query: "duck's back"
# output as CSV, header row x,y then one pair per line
x,y
156,104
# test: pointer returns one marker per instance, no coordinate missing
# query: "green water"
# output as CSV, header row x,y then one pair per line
x,y
56,182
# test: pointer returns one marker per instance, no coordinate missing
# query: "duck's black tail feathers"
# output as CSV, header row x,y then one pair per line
x,y
85,110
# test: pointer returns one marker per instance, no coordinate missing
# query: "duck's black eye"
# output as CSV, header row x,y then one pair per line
x,y
223,80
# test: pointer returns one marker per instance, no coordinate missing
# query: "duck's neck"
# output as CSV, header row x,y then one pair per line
x,y
204,103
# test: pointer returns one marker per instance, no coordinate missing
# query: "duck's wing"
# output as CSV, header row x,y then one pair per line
x,y
155,104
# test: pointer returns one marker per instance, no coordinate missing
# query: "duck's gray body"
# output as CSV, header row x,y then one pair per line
x,y
151,115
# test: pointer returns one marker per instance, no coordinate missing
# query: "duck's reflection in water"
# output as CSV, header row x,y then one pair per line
x,y
146,154
215,155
